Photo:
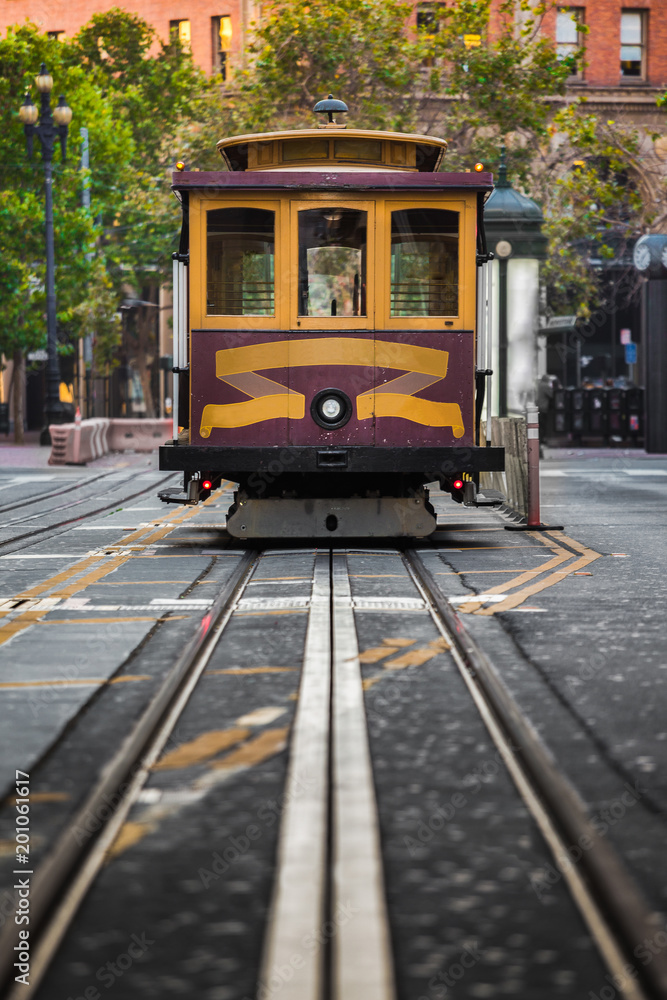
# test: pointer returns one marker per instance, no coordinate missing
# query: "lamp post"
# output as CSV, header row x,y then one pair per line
x,y
51,124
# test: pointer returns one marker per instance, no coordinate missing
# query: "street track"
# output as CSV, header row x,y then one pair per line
x,y
329,851
22,540
49,494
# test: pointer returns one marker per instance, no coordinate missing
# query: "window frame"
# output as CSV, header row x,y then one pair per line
x,y
467,221
175,32
220,61
199,266
579,17
335,199
643,45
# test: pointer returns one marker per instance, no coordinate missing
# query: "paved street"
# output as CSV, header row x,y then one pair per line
x,y
97,602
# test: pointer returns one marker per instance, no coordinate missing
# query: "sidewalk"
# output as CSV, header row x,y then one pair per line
x,y
32,455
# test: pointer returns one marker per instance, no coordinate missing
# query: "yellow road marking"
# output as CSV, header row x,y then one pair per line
x,y
127,678
42,797
202,748
128,835
57,682
377,653
268,743
28,618
530,574
475,572
140,583
67,682
415,657
101,621
586,557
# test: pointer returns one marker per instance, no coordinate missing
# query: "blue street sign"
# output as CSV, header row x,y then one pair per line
x,y
631,354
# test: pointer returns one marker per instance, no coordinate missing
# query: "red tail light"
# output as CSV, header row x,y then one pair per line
x,y
458,484
206,484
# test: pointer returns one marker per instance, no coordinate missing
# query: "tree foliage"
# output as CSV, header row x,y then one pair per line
x,y
133,95
357,49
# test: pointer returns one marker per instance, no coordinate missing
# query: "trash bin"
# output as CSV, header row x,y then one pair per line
x,y
634,400
618,419
598,412
562,411
579,413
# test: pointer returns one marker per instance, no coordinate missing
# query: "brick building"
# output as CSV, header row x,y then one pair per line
x,y
215,31
626,41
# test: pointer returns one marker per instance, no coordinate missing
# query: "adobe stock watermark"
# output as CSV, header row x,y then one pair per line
x,y
237,846
645,952
111,971
440,984
473,781
544,878
280,975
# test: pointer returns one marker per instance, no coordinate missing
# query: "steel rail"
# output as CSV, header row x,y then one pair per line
x,y
28,501
618,916
19,542
329,857
63,878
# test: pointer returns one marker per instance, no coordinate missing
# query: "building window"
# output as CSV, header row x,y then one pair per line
x,y
568,35
427,18
633,44
180,31
221,31
56,35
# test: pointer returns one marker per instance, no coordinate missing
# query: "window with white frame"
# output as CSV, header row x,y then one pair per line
x,y
569,35
633,44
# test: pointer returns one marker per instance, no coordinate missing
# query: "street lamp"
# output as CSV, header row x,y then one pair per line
x,y
51,124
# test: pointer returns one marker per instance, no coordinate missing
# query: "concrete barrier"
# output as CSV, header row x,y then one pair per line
x,y
78,444
509,433
138,435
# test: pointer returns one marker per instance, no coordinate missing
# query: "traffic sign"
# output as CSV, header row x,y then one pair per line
x,y
631,354
472,41
626,336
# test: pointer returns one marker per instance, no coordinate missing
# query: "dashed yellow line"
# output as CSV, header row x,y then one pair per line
x,y
23,621
202,748
587,556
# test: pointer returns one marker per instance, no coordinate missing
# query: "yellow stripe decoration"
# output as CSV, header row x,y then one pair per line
x,y
269,400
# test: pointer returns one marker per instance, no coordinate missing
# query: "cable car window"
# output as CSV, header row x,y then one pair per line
x,y
240,262
424,262
332,262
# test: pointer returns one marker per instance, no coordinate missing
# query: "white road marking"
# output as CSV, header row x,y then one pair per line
x,y
299,894
362,966
261,716
644,472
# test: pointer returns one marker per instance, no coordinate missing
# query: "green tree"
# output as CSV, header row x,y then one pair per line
x,y
133,105
301,51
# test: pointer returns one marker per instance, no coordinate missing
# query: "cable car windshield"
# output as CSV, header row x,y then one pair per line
x,y
424,262
240,270
332,262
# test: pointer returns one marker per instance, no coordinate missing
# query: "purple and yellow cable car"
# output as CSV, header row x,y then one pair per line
x,y
330,354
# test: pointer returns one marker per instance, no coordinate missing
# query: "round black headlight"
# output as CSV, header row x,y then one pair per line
x,y
331,408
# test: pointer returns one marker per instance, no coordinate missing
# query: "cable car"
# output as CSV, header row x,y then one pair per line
x,y
330,344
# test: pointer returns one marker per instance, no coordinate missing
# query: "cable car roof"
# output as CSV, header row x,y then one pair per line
x,y
333,144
